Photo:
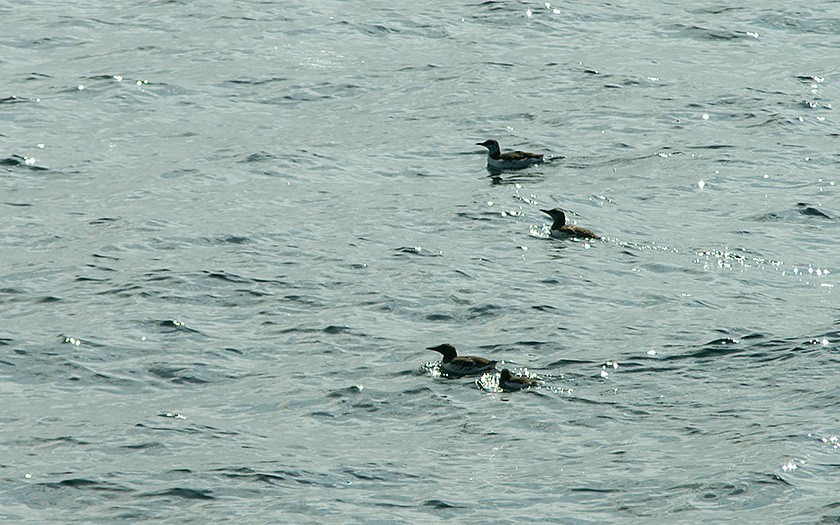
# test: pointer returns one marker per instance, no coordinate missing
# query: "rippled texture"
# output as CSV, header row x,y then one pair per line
x,y
230,230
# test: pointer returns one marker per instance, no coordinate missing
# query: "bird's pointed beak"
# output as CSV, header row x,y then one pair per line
x,y
547,212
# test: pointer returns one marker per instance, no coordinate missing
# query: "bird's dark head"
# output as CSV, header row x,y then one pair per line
x,y
557,214
489,144
504,375
446,349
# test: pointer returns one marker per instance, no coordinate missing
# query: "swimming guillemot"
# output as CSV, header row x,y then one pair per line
x,y
510,383
456,365
513,160
561,230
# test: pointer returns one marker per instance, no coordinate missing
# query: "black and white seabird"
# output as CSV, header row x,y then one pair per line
x,y
510,383
561,230
456,365
513,160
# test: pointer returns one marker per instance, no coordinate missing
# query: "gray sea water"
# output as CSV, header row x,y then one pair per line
x,y
229,230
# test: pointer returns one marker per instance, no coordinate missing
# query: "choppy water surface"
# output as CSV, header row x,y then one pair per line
x,y
230,230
